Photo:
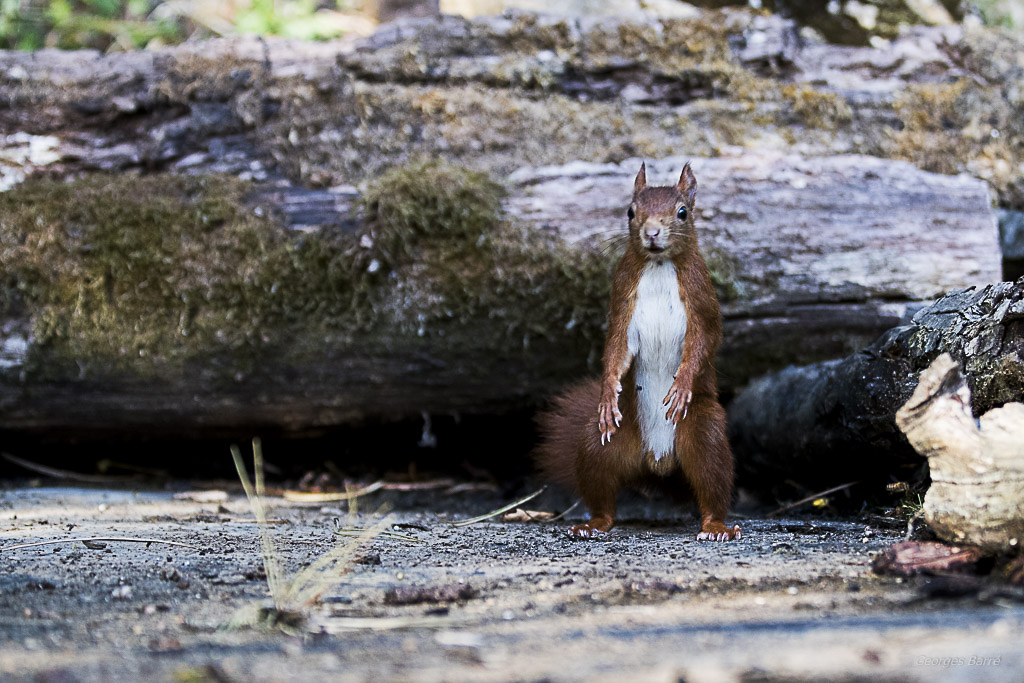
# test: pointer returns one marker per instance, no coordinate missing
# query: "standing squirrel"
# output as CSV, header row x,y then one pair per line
x,y
658,396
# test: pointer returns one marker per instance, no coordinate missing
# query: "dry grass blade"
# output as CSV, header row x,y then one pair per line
x,y
256,501
309,584
291,597
66,474
304,497
418,485
506,508
99,539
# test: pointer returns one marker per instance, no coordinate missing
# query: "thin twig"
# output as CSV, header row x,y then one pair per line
x,y
356,531
98,539
510,506
808,499
65,474
566,511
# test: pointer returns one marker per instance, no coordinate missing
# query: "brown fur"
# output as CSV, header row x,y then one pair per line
x,y
571,452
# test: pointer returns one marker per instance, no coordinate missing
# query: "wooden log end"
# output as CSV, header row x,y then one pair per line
x,y
977,491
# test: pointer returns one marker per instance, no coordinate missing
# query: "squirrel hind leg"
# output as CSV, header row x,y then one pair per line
x,y
707,463
598,487
571,454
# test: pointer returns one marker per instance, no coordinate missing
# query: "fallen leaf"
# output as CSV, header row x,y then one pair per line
x,y
925,557
202,496
521,515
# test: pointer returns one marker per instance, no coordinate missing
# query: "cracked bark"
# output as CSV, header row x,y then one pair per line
x,y
836,420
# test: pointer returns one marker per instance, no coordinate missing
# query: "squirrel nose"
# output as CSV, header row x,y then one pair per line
x,y
652,233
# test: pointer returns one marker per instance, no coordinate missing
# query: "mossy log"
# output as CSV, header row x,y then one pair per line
x,y
976,466
181,303
833,422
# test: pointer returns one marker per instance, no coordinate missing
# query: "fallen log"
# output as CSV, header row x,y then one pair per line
x,y
976,467
835,421
174,303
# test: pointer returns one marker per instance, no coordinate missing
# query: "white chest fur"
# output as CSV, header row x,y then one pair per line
x,y
656,334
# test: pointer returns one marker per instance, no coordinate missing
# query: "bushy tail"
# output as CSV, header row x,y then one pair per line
x,y
562,434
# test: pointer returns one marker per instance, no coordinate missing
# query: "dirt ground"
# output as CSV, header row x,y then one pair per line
x,y
793,600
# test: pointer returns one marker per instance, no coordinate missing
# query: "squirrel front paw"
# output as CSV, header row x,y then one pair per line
x,y
608,415
678,399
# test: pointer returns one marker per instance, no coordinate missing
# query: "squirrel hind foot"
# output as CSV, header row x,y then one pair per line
x,y
594,529
717,531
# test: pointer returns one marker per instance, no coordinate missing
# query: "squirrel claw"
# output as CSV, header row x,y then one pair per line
x,y
608,415
585,532
716,531
680,405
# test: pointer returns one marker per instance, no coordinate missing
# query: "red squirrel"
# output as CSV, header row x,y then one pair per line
x,y
655,412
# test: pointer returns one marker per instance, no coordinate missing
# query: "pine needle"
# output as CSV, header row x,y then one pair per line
x,y
814,496
566,511
98,539
495,513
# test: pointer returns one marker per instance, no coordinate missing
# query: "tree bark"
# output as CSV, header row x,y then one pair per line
x,y
835,421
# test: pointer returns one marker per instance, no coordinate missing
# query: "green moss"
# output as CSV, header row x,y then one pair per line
x,y
429,200
156,276
723,270
149,274
816,108
426,217
963,126
527,291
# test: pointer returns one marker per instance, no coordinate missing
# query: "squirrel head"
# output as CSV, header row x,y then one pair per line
x,y
661,217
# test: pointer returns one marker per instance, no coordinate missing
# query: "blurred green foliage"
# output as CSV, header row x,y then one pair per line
x,y
69,24
1006,13
129,24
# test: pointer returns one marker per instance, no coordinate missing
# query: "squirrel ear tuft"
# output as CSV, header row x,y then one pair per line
x,y
641,179
687,183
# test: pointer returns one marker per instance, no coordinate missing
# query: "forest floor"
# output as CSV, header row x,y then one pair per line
x,y
795,599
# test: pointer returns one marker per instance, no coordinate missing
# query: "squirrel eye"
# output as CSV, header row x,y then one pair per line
x,y
630,213
681,213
